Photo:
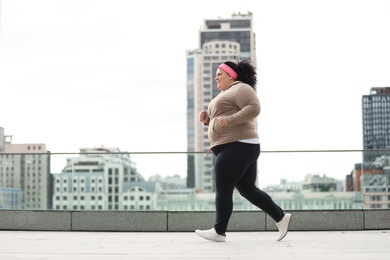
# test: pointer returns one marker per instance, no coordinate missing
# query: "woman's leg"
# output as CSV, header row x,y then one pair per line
x,y
247,188
232,162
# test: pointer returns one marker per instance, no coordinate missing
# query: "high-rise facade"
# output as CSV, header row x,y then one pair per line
x,y
375,176
25,178
376,123
220,39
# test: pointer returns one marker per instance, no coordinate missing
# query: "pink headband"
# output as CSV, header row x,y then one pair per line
x,y
228,70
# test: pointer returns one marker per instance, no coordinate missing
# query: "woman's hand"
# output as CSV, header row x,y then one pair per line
x,y
222,121
204,117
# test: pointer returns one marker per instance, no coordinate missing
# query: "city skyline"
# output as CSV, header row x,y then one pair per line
x,y
84,73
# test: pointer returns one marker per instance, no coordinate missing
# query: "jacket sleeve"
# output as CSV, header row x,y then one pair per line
x,y
249,104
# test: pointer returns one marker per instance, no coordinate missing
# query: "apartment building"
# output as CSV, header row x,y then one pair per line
x,y
25,178
102,179
375,184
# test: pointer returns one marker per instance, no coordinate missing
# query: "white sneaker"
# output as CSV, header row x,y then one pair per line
x,y
211,234
283,226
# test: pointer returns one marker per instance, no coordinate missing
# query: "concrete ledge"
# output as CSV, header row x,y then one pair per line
x,y
171,221
35,220
317,220
189,221
239,221
119,221
247,221
377,219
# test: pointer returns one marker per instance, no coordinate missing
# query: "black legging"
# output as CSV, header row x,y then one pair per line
x,y
236,167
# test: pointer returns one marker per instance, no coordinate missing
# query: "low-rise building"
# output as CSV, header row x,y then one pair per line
x,y
102,179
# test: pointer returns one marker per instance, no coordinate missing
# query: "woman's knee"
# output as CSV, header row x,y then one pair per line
x,y
246,191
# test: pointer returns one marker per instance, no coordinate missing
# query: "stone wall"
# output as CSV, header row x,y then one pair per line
x,y
187,221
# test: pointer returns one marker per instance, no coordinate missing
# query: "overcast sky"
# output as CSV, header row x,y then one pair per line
x,y
86,73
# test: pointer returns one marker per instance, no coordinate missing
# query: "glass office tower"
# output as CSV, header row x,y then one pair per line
x,y
376,123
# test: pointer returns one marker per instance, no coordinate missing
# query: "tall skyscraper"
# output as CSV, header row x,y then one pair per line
x,y
220,39
376,123
375,170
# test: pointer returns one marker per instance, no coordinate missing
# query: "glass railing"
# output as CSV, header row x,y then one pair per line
x,y
183,181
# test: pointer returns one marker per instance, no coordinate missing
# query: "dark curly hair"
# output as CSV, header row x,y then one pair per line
x,y
245,70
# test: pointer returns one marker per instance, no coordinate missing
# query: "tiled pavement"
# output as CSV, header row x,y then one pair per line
x,y
187,245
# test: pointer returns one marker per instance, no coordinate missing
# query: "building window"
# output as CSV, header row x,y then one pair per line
x,y
376,206
375,198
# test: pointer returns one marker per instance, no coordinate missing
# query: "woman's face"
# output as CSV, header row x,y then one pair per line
x,y
223,79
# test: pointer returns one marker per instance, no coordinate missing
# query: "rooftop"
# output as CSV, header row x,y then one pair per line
x,y
187,245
